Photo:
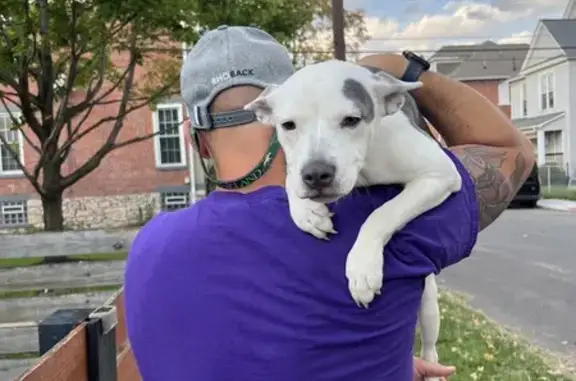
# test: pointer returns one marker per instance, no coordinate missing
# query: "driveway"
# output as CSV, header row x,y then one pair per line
x,y
522,274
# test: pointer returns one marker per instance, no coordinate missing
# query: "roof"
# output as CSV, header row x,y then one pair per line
x,y
536,120
488,60
570,9
563,31
450,51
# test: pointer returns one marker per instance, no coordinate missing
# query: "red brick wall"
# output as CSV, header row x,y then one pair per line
x,y
490,90
130,169
487,88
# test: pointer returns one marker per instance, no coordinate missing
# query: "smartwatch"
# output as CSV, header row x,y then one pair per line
x,y
416,66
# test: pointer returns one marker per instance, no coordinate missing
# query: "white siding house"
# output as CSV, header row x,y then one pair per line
x,y
543,94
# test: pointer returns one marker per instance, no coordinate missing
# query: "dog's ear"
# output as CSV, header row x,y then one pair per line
x,y
261,106
392,91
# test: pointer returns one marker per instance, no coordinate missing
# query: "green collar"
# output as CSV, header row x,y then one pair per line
x,y
256,173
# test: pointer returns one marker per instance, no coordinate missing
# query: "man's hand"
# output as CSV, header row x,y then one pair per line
x,y
423,369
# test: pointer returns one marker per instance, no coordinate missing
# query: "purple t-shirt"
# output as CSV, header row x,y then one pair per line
x,y
229,289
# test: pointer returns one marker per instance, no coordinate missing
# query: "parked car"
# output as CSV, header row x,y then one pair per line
x,y
529,192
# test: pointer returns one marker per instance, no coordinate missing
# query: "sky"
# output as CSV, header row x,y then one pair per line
x,y
426,25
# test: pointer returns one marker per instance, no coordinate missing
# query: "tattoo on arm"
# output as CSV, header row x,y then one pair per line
x,y
498,174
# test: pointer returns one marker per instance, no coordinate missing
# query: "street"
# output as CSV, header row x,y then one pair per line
x,y
522,274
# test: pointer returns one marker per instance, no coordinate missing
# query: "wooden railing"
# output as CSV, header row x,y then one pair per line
x,y
76,358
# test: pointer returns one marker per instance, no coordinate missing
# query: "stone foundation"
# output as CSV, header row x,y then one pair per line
x,y
82,213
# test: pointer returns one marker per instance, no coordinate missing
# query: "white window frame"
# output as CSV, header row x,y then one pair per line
x,y
24,211
11,172
157,137
546,90
175,195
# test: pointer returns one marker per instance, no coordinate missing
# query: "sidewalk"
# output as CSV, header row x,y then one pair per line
x,y
556,204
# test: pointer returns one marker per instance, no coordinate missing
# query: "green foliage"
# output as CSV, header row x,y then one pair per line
x,y
62,59
313,42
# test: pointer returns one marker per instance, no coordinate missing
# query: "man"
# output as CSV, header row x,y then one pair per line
x,y
230,289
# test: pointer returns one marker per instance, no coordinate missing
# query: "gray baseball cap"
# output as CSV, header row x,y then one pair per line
x,y
226,57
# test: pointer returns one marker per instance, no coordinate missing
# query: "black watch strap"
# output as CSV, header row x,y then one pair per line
x,y
412,72
416,66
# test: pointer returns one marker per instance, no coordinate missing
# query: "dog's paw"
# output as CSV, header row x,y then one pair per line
x,y
313,217
365,270
431,356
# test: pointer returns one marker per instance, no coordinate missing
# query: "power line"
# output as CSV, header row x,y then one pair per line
x,y
510,59
473,49
461,37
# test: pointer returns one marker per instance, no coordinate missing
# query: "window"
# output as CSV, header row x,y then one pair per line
x,y
553,147
553,141
169,139
175,200
13,213
523,100
14,137
547,91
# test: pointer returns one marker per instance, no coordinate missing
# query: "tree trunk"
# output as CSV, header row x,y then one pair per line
x,y
53,214
53,192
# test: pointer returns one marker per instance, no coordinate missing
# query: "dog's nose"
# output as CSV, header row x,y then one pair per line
x,y
318,174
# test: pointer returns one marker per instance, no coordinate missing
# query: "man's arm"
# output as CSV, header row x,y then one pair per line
x,y
498,156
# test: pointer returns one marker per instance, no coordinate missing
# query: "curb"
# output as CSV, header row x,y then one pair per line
x,y
558,208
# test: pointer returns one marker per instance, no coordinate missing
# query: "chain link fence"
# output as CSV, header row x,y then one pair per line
x,y
555,176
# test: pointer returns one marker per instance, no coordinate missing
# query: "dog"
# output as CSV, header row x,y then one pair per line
x,y
342,126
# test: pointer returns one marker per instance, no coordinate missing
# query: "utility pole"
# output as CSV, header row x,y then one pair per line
x,y
338,29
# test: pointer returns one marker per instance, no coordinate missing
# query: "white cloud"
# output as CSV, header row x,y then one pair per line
x,y
460,22
517,38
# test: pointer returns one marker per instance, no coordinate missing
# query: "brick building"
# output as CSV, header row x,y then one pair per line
x,y
130,185
486,67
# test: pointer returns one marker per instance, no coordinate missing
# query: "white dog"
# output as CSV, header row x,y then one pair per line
x,y
342,126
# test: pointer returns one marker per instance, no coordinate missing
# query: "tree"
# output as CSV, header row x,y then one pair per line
x,y
314,42
61,60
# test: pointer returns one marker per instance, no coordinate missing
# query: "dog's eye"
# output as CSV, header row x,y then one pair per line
x,y
350,121
289,125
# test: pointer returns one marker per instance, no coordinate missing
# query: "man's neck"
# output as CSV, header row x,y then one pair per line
x,y
275,176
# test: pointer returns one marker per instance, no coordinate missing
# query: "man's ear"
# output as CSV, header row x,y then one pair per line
x,y
392,91
261,106
203,148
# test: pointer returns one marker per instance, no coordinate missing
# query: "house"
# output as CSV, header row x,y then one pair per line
x,y
130,185
486,67
543,94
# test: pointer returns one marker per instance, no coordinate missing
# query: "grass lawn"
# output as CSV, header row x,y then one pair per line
x,y
559,193
481,350
38,292
7,263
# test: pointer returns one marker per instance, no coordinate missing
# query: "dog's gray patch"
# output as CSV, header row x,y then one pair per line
x,y
411,110
358,94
